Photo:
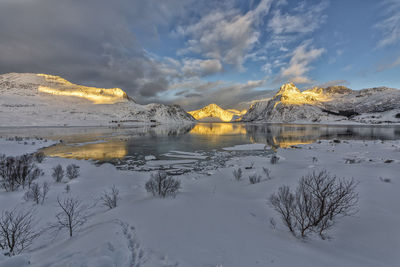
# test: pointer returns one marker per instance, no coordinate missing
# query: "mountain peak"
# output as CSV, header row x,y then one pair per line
x,y
214,111
288,88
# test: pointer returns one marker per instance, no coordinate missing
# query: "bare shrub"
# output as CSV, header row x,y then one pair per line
x,y
37,193
72,214
255,178
72,171
18,171
283,203
350,161
267,173
33,193
162,185
385,180
45,190
58,173
250,167
110,198
16,231
237,174
317,202
272,222
39,156
274,159
67,188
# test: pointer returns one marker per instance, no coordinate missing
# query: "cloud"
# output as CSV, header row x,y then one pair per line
x,y
333,83
225,35
197,94
390,26
307,19
92,42
198,67
299,64
390,65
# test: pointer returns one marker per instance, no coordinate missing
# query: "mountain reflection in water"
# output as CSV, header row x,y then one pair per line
x,y
107,143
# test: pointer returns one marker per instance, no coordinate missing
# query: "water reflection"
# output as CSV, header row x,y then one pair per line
x,y
218,129
100,151
106,143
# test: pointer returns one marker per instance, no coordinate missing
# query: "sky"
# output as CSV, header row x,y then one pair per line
x,y
194,52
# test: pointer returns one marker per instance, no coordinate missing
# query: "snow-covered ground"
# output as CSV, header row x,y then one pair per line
x,y
216,220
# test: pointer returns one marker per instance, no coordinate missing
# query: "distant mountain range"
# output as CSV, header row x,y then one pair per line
x,y
335,104
28,99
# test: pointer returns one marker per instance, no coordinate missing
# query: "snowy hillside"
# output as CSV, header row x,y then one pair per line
x,y
215,112
336,104
44,100
215,220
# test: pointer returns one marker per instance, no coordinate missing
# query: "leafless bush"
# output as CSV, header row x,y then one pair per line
x,y
110,198
272,222
317,202
385,180
37,193
255,178
72,171
250,167
58,173
350,161
274,159
67,188
283,203
39,156
18,171
267,173
72,214
162,185
16,231
237,174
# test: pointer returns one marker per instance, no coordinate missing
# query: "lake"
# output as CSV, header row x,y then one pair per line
x,y
107,144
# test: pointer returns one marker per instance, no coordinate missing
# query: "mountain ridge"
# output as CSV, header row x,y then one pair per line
x,y
214,111
29,99
335,104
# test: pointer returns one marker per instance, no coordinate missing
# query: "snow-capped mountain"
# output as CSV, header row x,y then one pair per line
x,y
331,104
28,99
213,112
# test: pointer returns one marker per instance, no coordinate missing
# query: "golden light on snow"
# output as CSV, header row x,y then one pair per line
x,y
100,151
214,111
290,95
61,87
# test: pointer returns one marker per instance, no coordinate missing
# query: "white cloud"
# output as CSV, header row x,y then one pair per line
x,y
307,20
225,35
390,26
299,64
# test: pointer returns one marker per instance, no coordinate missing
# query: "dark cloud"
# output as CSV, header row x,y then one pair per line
x,y
226,95
93,42
193,95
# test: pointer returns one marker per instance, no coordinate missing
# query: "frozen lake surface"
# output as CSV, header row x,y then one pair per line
x,y
166,141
